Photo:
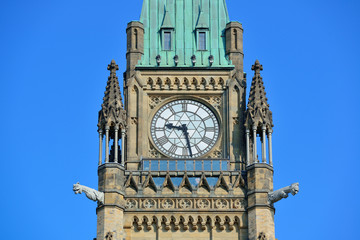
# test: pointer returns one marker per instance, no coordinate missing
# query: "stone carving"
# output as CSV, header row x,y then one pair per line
x,y
239,204
236,120
167,204
131,204
203,203
185,203
149,203
109,236
221,203
134,120
215,101
153,152
216,154
262,236
283,193
155,100
184,221
90,193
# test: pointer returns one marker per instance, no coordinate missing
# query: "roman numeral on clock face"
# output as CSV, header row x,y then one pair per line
x,y
210,129
173,149
184,151
207,118
207,140
184,106
162,140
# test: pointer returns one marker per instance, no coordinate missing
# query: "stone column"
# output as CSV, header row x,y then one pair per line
x,y
116,140
270,146
100,146
122,146
247,147
254,145
107,128
263,144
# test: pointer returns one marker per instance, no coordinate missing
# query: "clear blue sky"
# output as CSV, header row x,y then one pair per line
x,y
53,59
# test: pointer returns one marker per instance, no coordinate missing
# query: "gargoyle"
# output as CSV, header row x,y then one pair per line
x,y
283,193
90,193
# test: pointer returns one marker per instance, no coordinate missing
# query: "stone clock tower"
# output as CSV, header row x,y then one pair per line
x,y
184,156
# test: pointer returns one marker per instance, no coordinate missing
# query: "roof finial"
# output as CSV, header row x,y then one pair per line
x,y
113,67
257,67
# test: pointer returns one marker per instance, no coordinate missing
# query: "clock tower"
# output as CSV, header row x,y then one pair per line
x,y
184,156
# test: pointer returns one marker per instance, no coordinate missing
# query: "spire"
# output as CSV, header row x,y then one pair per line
x,y
258,113
112,112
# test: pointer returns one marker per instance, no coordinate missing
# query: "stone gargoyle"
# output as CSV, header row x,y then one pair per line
x,y
90,193
283,193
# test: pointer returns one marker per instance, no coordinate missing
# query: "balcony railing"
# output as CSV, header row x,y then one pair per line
x,y
170,165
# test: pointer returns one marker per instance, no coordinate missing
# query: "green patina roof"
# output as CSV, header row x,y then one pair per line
x,y
184,18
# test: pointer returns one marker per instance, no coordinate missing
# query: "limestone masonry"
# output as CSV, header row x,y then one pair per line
x,y
179,157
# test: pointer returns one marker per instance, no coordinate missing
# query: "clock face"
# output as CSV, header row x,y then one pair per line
x,y
184,129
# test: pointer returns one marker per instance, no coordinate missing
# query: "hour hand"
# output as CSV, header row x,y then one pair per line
x,y
171,126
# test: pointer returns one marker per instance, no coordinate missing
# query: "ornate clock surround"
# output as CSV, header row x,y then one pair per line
x,y
157,101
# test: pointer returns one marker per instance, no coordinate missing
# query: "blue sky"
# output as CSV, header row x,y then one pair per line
x,y
53,74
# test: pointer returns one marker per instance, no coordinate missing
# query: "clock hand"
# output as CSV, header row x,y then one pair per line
x,y
184,128
170,126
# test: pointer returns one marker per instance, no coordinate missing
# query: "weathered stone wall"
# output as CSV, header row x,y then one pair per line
x,y
260,212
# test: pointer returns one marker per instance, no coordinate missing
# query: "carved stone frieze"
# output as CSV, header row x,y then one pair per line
x,y
180,204
131,204
203,203
167,203
149,204
184,221
185,83
221,204
185,203
239,204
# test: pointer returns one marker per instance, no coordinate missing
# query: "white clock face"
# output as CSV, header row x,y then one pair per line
x,y
184,129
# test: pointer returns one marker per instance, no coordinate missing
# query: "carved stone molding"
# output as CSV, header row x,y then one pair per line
x,y
167,203
131,204
149,204
185,83
239,204
179,204
203,203
184,221
221,204
185,204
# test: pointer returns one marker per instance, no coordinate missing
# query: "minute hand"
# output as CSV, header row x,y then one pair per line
x,y
184,128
